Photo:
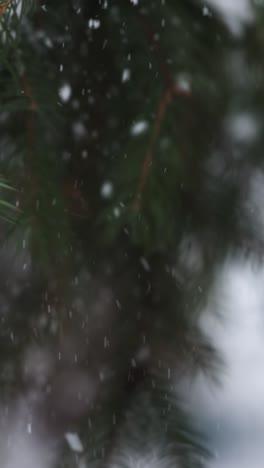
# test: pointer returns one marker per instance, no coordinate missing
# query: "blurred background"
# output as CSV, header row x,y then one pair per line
x,y
132,233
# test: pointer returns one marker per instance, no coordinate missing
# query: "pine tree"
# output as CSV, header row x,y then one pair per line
x,y
110,114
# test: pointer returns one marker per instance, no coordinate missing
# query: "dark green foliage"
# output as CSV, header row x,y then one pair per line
x,y
153,138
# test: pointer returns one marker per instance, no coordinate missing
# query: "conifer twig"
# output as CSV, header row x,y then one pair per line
x,y
172,89
28,93
164,102
4,6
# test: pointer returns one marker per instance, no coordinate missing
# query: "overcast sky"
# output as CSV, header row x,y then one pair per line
x,y
233,414
236,13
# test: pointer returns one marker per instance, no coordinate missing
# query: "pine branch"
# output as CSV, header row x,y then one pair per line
x,y
3,6
163,104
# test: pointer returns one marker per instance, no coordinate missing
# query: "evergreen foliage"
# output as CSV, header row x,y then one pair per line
x,y
110,114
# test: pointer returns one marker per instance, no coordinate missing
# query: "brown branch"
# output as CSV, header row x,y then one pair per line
x,y
4,6
164,102
157,49
76,205
172,89
29,125
28,92
58,272
30,182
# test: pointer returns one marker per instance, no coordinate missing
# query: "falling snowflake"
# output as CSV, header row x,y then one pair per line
x,y
139,127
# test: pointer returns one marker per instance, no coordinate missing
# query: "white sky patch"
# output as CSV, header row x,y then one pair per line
x,y
139,127
65,92
25,453
233,414
21,446
236,13
74,441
